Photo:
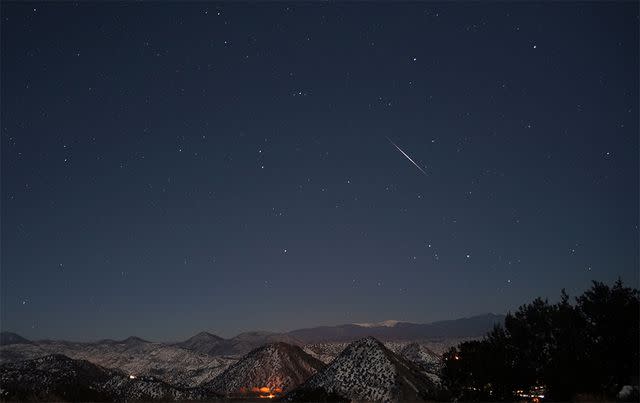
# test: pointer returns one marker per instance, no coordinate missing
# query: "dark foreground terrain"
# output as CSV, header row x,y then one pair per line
x,y
365,370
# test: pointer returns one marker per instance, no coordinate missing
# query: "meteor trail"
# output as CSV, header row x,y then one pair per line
x,y
407,156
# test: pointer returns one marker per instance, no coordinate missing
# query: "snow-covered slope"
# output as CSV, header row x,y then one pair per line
x,y
325,352
366,370
277,367
417,353
422,356
133,356
203,343
60,378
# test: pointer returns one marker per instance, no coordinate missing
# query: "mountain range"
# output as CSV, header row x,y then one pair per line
x,y
390,330
60,378
133,355
207,343
365,370
330,363
475,326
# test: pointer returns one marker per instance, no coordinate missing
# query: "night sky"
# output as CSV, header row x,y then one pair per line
x,y
170,168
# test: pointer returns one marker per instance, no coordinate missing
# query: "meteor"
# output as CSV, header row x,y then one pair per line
x,y
407,156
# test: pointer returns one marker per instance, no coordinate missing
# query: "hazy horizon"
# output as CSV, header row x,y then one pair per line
x,y
228,335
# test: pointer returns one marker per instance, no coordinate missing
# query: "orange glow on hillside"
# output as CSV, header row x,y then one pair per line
x,y
269,396
263,392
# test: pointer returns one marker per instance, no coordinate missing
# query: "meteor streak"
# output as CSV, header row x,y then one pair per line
x,y
407,156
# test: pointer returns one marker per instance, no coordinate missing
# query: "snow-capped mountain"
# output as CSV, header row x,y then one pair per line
x,y
385,323
237,346
271,370
417,353
134,356
368,371
60,378
475,326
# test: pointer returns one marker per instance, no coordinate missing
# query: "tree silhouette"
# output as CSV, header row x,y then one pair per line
x,y
610,316
590,347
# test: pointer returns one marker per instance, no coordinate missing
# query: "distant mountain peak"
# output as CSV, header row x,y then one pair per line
x,y
210,344
134,340
206,336
388,330
7,338
253,333
385,323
